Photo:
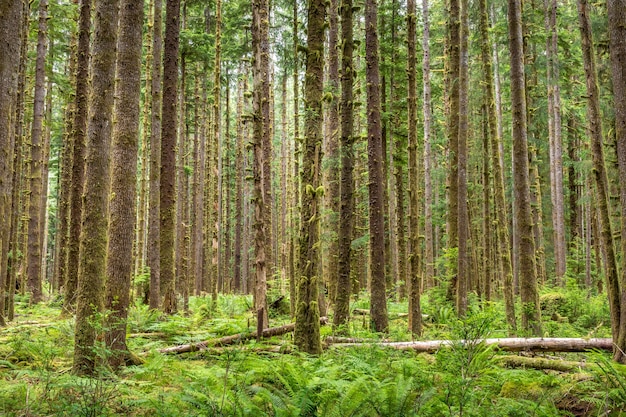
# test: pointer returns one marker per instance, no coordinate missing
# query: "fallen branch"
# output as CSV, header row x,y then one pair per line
x,y
236,338
535,344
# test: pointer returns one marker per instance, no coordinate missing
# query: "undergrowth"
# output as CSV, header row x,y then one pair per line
x,y
250,380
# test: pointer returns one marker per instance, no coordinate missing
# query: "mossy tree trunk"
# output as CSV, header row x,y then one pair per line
x,y
261,126
169,116
122,220
154,198
307,330
93,237
346,208
35,221
463,224
617,33
78,138
531,316
378,297
10,16
414,282
503,249
429,247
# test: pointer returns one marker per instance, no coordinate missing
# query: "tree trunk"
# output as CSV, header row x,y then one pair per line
x,y
78,139
261,103
375,161
93,242
215,155
555,142
531,315
168,156
154,228
122,219
346,208
35,226
10,16
617,34
239,179
463,267
429,247
414,284
307,330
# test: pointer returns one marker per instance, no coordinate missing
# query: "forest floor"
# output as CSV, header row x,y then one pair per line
x,y
270,378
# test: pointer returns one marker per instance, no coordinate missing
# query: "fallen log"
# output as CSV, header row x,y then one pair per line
x,y
229,340
535,344
510,361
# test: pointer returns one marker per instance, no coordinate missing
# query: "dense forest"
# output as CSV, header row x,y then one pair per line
x,y
322,207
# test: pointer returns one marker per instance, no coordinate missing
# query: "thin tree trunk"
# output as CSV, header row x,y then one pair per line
x,y
429,252
93,242
261,198
154,199
215,191
239,180
415,316
346,214
295,214
555,142
122,221
463,268
307,330
530,313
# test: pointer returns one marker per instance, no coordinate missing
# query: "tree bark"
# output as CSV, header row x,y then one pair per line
x,y
10,16
346,208
122,218
35,221
617,44
429,247
375,162
261,107
307,330
531,316
78,139
154,199
168,156
93,241
414,282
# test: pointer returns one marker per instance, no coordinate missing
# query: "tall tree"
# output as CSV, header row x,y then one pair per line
x,y
168,155
35,221
415,315
307,330
531,315
463,224
556,141
154,199
346,214
93,237
617,43
10,15
502,230
122,219
429,248
78,139
375,168
261,104
332,143
216,194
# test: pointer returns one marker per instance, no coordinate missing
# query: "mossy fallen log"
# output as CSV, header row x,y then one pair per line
x,y
229,340
511,361
531,344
